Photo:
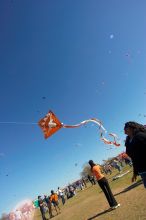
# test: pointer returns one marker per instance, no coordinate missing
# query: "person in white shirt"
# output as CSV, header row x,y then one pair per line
x,y
61,195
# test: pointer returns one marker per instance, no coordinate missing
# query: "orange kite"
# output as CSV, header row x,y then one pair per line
x,y
50,124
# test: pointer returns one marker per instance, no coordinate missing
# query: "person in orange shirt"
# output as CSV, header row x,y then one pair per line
x,y
54,200
104,185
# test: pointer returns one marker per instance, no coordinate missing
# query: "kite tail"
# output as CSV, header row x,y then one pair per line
x,y
94,120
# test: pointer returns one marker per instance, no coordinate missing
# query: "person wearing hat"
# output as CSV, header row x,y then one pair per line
x,y
104,185
135,148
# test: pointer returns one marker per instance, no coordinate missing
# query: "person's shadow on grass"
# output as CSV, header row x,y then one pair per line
x,y
101,213
139,182
123,191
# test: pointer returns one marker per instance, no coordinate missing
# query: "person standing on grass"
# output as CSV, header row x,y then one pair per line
x,y
84,182
91,179
49,205
41,206
104,185
116,165
127,159
61,195
135,148
54,200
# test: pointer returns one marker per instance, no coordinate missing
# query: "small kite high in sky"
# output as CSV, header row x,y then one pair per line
x,y
50,124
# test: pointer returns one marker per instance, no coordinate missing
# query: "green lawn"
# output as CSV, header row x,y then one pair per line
x,y
91,202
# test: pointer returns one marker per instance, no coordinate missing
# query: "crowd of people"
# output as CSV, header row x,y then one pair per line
x,y
135,149
118,163
50,203
134,156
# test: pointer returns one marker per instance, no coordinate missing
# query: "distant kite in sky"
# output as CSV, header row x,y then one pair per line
x,y
50,124
128,56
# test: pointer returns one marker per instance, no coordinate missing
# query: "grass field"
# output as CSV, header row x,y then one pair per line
x,y
91,204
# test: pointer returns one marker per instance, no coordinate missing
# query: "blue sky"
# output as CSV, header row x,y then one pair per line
x,y
87,58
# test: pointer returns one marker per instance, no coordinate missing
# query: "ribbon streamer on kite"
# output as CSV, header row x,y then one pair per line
x,y
106,141
115,139
85,122
50,124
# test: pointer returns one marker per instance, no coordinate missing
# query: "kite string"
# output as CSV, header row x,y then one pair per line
x,y
19,123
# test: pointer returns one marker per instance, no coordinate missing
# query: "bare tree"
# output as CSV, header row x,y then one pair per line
x,y
86,171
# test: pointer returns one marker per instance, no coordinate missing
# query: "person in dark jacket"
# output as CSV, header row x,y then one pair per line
x,y
135,148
